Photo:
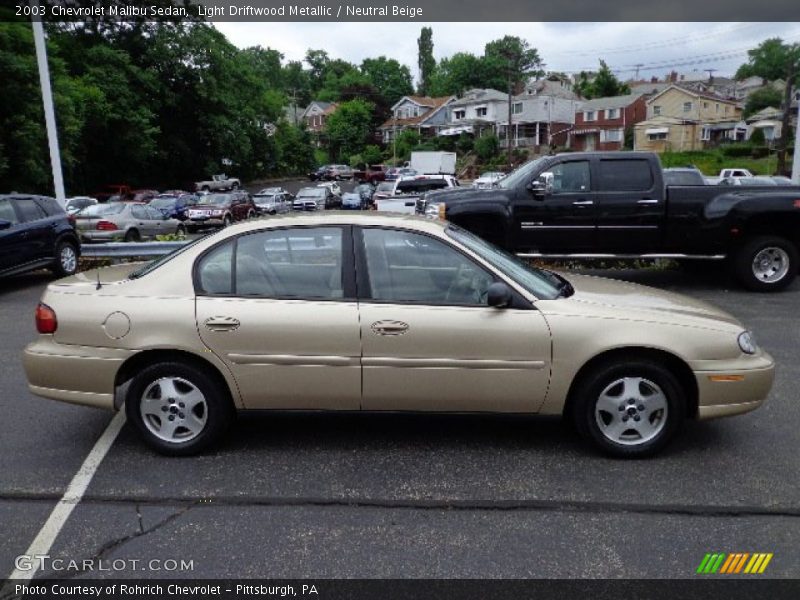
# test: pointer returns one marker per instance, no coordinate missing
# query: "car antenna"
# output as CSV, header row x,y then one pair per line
x,y
99,285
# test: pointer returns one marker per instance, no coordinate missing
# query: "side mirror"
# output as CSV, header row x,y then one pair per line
x,y
4,224
542,186
498,295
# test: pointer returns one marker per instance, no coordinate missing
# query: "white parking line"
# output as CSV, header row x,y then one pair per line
x,y
72,496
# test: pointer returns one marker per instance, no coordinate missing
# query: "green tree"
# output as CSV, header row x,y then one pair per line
x,y
372,154
425,60
509,62
389,77
603,84
762,98
348,129
456,74
770,60
487,146
405,141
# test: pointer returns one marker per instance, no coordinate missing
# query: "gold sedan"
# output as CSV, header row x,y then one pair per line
x,y
384,313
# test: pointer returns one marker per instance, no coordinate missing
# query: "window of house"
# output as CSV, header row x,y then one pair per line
x,y
705,134
612,113
687,107
705,104
656,110
516,108
459,114
480,111
661,135
611,135
589,115
716,106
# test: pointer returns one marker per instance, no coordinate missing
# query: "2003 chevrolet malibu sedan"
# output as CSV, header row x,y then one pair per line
x,y
384,313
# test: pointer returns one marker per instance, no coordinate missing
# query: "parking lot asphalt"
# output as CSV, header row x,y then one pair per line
x,y
412,496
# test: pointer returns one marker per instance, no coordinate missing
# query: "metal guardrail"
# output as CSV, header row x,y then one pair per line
x,y
130,249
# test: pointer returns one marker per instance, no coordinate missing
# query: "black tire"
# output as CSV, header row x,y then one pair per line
x,y
190,229
132,235
66,261
218,409
663,424
226,222
757,278
251,215
205,188
235,186
180,230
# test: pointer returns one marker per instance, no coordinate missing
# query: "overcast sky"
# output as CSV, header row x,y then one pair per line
x,y
569,47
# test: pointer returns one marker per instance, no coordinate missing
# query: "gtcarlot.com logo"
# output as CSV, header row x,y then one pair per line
x,y
744,563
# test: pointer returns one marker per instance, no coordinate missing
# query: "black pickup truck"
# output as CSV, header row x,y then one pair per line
x,y
587,205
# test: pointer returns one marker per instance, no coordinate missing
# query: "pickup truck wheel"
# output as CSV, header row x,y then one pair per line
x,y
178,409
205,188
766,264
66,262
235,186
629,409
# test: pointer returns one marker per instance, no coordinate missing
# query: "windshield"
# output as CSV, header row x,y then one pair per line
x,y
217,199
540,283
522,175
164,202
264,198
99,210
385,187
311,193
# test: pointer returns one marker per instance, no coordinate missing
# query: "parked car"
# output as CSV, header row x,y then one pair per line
x,y
781,180
372,174
754,180
319,173
353,201
338,172
124,221
218,183
220,210
271,201
582,205
77,203
113,190
399,172
314,198
35,233
365,190
366,312
174,205
683,176
407,191
334,187
488,179
725,173
383,190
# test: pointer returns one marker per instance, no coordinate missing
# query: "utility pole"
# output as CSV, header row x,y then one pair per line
x,y
47,100
796,161
710,74
638,66
787,110
508,129
294,105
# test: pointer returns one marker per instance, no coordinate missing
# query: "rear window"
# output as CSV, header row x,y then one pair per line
x,y
632,174
421,185
99,210
30,210
683,178
50,206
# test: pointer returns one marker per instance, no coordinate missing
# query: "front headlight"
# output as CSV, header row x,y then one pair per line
x,y
747,342
435,209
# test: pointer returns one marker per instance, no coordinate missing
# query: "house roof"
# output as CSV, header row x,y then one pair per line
x,y
769,112
319,103
610,102
433,104
477,96
550,87
648,87
691,92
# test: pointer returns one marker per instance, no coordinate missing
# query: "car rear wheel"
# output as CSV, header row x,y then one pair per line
x,y
132,235
178,409
629,409
766,264
66,262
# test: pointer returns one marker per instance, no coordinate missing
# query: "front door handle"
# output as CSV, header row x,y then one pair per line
x,y
389,327
221,323
583,203
647,201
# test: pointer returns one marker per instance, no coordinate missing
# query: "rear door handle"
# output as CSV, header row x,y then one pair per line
x,y
647,201
221,323
389,327
583,203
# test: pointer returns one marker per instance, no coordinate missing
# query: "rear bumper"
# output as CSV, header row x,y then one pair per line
x,y
734,387
101,236
76,374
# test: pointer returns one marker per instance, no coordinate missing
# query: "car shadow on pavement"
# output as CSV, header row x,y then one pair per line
x,y
16,283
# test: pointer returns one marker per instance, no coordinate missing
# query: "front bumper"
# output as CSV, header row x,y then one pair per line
x,y
206,222
733,387
77,374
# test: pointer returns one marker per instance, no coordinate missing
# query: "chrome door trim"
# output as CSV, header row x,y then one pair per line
x,y
298,360
450,363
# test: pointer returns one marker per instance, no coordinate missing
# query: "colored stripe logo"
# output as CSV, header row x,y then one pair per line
x,y
734,563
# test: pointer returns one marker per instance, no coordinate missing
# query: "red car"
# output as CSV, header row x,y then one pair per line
x,y
220,210
372,174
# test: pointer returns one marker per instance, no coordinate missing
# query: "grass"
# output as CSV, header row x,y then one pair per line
x,y
711,162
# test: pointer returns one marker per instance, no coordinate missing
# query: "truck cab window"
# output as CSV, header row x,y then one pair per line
x,y
571,177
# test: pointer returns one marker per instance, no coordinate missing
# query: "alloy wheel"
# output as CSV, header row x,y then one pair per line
x,y
631,411
173,409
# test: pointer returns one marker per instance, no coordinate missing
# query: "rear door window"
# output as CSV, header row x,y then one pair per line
x,y
29,210
7,212
620,175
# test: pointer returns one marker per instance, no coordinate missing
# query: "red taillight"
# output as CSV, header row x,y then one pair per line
x,y
72,220
106,226
46,321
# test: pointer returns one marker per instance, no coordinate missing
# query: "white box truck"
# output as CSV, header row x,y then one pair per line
x,y
433,163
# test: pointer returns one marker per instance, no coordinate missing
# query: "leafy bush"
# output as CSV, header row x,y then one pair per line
x,y
757,137
487,146
760,151
734,150
464,144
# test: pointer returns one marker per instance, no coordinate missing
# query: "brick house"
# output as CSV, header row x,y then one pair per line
x,y
600,124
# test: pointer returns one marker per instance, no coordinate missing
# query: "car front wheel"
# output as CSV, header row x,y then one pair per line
x,y
629,409
178,409
66,262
